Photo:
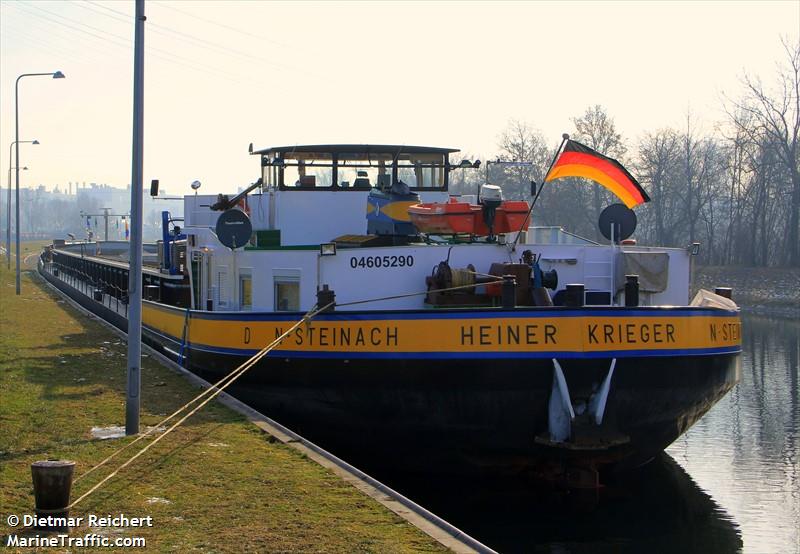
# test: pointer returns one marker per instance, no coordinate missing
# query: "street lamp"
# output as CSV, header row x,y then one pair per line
x,y
55,75
8,203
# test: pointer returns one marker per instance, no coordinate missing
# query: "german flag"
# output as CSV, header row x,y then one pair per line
x,y
578,160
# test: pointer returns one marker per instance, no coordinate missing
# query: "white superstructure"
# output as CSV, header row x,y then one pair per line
x,y
292,218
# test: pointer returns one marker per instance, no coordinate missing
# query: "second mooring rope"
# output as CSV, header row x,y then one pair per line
x,y
212,393
214,390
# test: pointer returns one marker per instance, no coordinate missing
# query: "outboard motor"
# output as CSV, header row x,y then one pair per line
x,y
490,199
387,210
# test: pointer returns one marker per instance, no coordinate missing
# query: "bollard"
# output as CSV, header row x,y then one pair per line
x,y
324,297
52,481
509,294
631,291
152,293
726,292
574,295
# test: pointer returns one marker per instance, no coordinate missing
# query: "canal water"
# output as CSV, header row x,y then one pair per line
x,y
746,452
731,484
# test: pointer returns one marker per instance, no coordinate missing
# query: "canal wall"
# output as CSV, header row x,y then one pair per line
x,y
772,291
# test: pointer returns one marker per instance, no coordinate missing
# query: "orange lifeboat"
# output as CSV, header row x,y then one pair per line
x,y
454,218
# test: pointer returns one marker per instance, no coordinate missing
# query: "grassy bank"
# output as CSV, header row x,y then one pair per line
x,y
216,484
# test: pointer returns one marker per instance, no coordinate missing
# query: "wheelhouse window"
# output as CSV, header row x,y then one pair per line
x,y
308,175
341,170
363,171
422,171
308,170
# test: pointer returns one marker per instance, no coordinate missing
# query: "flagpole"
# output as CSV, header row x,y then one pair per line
x,y
564,139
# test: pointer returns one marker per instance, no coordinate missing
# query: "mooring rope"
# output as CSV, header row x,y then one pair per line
x,y
234,374
158,425
231,377
214,390
479,274
410,294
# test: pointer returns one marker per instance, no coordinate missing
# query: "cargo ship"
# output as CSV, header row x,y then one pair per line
x,y
456,333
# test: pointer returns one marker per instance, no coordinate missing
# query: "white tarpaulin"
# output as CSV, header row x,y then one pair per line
x,y
651,267
708,299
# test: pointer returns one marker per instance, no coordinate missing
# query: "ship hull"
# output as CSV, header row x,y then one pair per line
x,y
472,414
445,390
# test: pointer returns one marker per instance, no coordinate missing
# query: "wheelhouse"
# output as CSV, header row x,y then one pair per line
x,y
355,167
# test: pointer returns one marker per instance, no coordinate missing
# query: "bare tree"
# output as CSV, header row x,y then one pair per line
x,y
737,154
521,142
701,168
774,117
737,191
658,166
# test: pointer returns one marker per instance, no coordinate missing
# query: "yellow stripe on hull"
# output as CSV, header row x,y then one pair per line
x,y
580,334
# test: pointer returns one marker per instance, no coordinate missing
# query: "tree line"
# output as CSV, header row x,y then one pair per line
x,y
735,190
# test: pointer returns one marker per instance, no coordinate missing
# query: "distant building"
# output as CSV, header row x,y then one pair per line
x,y
54,213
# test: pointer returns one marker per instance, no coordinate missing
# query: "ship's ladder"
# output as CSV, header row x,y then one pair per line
x,y
598,276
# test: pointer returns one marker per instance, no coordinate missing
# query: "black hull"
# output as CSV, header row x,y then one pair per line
x,y
479,413
465,414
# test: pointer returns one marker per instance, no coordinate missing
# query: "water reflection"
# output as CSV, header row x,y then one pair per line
x,y
732,483
745,451
743,493
658,508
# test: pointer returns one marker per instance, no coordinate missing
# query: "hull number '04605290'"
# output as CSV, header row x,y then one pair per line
x,y
381,261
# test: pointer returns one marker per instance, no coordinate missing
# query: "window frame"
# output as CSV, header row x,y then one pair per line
x,y
245,275
369,160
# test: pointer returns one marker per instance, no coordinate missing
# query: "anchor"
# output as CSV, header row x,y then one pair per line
x,y
561,412
587,434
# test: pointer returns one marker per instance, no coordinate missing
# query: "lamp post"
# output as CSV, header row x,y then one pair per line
x,y
55,75
8,203
8,236
134,388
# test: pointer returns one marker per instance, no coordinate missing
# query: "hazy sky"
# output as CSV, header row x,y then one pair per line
x,y
220,75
